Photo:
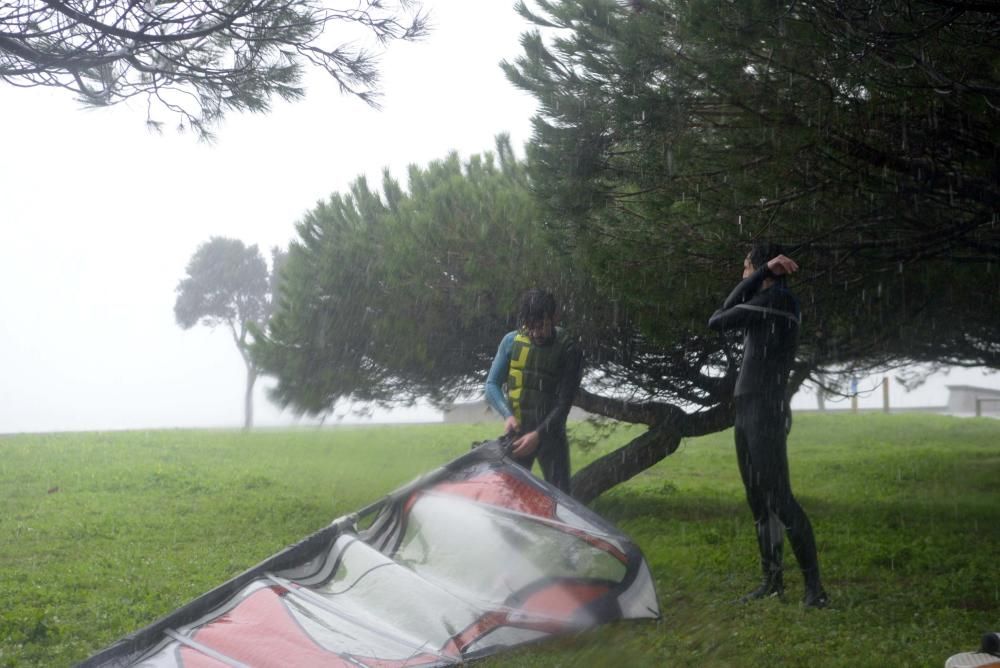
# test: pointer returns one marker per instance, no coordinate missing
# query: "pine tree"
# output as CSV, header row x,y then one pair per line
x,y
197,59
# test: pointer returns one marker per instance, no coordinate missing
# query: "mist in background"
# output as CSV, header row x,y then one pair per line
x,y
99,217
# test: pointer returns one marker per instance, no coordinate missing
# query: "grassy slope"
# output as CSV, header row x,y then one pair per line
x,y
906,511
907,516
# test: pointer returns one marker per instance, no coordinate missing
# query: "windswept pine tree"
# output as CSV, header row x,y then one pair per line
x,y
194,60
669,137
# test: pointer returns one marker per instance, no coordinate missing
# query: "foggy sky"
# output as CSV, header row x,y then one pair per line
x,y
98,218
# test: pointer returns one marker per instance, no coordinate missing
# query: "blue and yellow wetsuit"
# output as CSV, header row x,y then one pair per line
x,y
541,381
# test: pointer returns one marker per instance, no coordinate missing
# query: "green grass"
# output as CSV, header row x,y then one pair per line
x,y
101,533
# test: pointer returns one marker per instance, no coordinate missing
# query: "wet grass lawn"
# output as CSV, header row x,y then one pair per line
x,y
101,533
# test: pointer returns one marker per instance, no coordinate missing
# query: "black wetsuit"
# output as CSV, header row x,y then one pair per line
x,y
770,318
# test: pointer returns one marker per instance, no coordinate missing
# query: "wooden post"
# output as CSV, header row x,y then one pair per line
x,y
885,394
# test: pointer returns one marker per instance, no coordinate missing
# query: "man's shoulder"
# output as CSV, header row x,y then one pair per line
x,y
507,342
787,299
777,296
567,341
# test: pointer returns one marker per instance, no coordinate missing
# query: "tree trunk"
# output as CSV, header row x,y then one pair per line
x,y
248,397
625,462
668,425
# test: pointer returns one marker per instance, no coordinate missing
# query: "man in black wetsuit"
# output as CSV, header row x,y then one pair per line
x,y
768,313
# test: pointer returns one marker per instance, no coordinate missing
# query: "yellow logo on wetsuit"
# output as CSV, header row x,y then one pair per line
x,y
515,376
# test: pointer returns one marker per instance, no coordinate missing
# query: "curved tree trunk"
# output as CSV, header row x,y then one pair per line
x,y
668,424
618,466
248,396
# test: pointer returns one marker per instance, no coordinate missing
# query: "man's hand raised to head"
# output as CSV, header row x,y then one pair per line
x,y
782,265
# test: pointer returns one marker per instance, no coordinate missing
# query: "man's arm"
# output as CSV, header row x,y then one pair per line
x,y
744,291
763,306
744,306
498,376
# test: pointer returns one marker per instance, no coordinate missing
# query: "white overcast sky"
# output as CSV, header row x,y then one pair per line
x,y
98,218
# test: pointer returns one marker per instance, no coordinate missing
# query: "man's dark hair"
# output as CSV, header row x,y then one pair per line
x,y
763,252
536,305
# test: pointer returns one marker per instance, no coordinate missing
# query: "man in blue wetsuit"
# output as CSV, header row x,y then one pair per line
x,y
541,368
768,314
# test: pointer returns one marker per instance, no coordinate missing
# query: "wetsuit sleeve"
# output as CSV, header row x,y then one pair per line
x,y
498,376
568,385
734,314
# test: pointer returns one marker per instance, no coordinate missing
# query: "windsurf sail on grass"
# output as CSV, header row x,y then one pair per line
x,y
472,559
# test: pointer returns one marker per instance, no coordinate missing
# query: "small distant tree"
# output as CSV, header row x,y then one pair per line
x,y
228,284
